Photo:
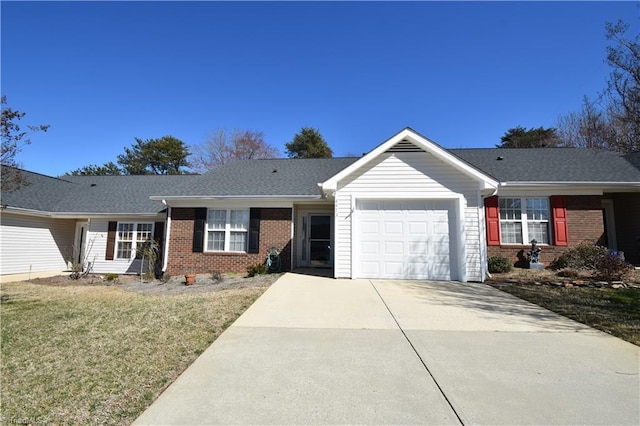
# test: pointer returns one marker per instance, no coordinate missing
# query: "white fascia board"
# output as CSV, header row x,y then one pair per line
x,y
168,198
431,147
573,184
72,215
236,203
566,188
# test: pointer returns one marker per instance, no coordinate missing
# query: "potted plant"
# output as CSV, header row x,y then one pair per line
x,y
189,278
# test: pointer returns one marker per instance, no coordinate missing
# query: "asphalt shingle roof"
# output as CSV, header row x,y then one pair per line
x,y
276,177
552,164
91,194
300,177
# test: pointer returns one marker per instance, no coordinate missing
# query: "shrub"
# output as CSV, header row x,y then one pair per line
x,y
612,267
498,264
111,277
256,269
217,276
568,273
582,256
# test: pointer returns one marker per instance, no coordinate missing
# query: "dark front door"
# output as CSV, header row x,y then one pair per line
x,y
320,240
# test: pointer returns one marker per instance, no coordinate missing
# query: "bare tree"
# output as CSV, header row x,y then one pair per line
x,y
221,147
13,139
612,122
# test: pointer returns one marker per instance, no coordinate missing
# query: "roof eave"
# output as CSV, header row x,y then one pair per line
x,y
164,198
72,215
526,184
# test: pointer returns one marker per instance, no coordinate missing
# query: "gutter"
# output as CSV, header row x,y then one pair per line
x,y
164,198
167,232
571,183
71,215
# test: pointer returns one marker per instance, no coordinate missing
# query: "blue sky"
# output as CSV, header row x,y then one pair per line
x,y
460,73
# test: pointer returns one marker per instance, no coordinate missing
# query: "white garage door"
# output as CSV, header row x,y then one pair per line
x,y
407,239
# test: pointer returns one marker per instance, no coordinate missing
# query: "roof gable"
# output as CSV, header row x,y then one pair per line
x,y
408,140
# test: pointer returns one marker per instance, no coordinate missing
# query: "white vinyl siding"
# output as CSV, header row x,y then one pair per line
x,y
411,175
96,246
35,243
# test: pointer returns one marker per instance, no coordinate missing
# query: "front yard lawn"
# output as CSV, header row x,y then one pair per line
x,y
78,354
616,312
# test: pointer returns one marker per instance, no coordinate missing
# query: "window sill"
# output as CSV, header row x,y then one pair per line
x,y
225,253
522,246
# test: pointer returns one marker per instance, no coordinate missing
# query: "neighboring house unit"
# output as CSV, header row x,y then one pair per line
x,y
407,209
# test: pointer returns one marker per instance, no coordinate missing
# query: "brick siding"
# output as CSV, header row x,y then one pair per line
x,y
584,223
275,231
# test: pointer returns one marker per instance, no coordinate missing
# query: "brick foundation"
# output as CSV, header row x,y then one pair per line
x,y
584,224
275,231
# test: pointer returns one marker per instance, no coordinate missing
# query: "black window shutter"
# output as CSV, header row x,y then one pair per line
x,y
111,240
198,230
254,230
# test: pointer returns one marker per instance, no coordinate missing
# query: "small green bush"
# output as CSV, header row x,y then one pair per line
x,y
583,256
111,277
256,269
499,264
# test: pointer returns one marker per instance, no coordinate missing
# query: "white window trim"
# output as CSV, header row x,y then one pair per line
x,y
525,221
134,247
227,232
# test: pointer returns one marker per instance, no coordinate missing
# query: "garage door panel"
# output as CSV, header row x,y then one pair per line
x,y
393,248
370,247
404,239
418,228
394,269
370,269
393,228
367,227
419,248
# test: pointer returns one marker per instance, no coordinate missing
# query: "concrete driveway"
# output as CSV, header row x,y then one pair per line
x,y
315,350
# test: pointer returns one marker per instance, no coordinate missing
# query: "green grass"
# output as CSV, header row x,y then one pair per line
x,y
616,312
100,355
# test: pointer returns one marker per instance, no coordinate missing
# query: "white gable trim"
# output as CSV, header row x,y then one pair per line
x,y
408,134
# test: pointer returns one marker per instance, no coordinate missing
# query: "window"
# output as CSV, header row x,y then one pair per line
x,y
227,230
523,220
130,237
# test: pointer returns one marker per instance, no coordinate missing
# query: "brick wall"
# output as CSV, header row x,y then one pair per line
x,y
275,231
584,223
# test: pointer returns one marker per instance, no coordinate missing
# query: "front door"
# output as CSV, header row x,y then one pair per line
x,y
320,240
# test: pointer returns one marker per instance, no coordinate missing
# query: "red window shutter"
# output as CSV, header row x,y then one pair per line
x,y
559,211
492,215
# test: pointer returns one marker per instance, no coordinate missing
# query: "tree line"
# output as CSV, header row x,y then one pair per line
x,y
610,121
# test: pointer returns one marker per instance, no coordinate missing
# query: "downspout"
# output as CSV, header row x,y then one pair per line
x,y
485,260
293,215
167,232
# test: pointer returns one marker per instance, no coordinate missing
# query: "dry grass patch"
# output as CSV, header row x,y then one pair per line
x,y
616,312
100,354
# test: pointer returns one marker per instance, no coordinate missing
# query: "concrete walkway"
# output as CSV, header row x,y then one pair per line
x,y
314,350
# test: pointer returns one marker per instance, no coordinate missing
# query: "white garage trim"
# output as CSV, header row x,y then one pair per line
x,y
456,247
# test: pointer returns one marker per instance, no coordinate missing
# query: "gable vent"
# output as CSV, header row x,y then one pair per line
x,y
405,146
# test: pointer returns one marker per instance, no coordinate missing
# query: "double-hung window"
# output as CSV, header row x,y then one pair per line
x,y
524,219
227,230
130,237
